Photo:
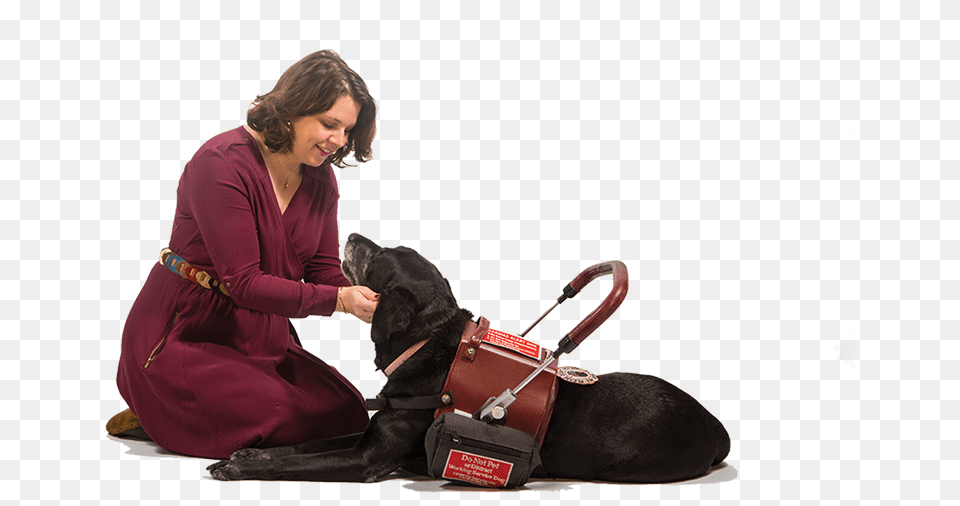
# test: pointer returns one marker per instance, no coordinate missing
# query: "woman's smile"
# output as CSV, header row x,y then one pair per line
x,y
319,136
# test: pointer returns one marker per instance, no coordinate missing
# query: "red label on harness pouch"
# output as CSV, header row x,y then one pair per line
x,y
512,342
477,469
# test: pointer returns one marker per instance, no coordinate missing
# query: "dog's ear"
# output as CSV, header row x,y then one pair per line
x,y
394,313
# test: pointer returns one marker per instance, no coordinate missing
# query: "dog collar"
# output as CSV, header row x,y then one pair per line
x,y
403,358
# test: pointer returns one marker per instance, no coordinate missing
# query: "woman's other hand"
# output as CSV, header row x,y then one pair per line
x,y
359,301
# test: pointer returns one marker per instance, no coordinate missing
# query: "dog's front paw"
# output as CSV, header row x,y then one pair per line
x,y
226,470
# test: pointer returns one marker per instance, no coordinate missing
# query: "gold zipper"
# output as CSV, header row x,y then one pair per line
x,y
156,349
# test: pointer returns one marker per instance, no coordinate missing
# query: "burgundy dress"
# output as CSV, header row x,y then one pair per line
x,y
208,374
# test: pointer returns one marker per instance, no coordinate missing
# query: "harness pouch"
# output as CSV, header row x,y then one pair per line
x,y
460,448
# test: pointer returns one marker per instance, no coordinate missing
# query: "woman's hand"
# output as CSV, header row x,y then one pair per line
x,y
359,301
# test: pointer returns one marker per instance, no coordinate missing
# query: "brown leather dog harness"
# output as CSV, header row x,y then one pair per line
x,y
487,362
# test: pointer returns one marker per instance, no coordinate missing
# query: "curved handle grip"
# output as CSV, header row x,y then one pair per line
x,y
607,307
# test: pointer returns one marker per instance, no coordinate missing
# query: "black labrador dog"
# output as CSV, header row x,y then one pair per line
x,y
624,428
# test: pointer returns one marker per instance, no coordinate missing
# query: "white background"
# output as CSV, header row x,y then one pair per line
x,y
780,178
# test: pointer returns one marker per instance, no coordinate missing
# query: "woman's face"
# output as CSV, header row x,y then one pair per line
x,y
317,137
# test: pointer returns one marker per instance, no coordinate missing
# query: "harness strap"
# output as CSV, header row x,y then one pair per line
x,y
476,338
421,402
403,357
475,331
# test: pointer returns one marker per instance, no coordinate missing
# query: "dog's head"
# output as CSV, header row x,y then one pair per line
x,y
415,298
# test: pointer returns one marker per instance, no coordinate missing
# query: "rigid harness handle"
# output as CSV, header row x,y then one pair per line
x,y
621,281
495,408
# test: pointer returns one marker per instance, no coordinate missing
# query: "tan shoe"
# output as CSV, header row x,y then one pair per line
x,y
125,424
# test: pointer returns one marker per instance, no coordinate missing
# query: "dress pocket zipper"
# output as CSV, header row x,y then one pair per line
x,y
163,339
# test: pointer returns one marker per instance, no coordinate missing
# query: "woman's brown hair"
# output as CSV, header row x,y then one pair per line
x,y
309,87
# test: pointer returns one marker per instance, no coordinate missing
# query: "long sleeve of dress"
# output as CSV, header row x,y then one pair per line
x,y
218,198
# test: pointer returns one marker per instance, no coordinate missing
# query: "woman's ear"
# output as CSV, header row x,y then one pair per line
x,y
394,313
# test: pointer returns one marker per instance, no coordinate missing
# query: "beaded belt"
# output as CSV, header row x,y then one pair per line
x,y
182,268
